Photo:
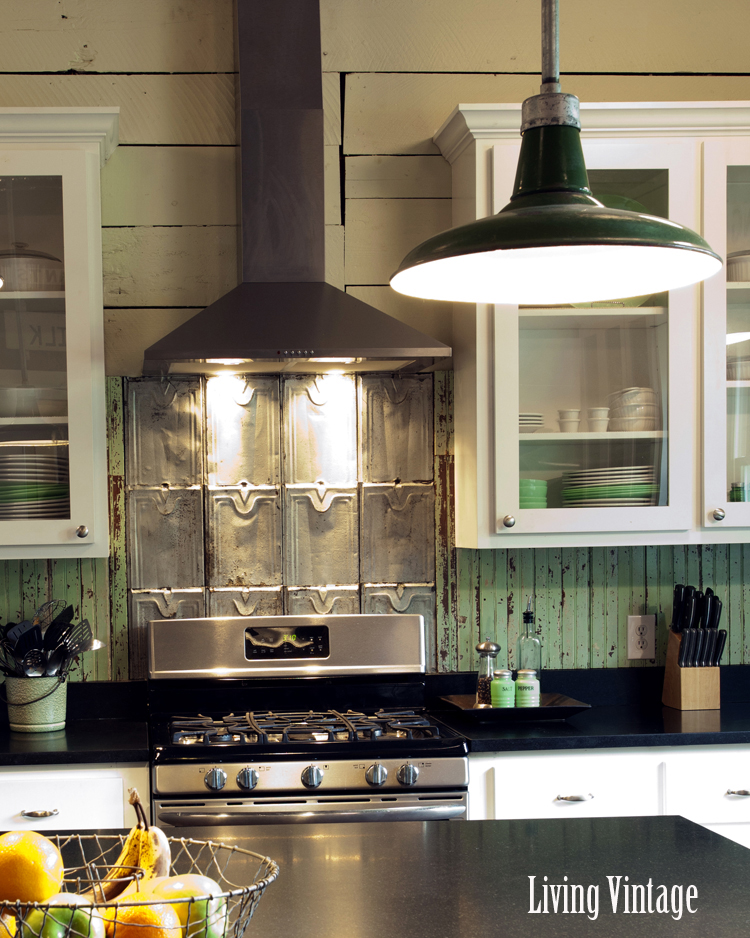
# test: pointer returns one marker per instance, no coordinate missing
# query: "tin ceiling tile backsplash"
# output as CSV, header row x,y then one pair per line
x,y
320,429
278,509
165,432
243,525
396,428
242,430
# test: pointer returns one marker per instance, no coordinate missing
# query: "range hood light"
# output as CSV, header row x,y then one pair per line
x,y
554,242
226,361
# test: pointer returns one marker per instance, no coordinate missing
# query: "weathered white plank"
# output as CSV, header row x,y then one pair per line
x,y
166,109
335,255
430,316
332,170
331,108
398,177
102,36
504,36
379,232
127,332
189,266
170,186
392,114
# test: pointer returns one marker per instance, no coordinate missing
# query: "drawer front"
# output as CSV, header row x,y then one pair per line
x,y
699,786
577,785
65,801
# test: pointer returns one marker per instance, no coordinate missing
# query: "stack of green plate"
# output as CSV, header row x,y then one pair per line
x,y
616,487
533,493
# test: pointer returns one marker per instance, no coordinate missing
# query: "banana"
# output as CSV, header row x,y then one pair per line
x,y
146,851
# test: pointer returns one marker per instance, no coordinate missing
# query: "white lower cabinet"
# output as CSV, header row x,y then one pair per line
x,y
584,783
82,797
706,785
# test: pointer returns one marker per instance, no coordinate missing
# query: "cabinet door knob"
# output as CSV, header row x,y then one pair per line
x,y
572,798
82,530
719,514
40,813
509,521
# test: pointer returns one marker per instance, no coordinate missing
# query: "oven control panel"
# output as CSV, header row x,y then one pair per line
x,y
274,642
337,775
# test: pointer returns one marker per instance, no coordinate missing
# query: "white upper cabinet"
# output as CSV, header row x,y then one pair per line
x,y
583,424
53,459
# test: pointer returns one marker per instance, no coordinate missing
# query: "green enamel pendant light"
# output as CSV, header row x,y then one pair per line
x,y
554,242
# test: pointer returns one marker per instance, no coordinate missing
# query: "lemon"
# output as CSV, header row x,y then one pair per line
x,y
31,868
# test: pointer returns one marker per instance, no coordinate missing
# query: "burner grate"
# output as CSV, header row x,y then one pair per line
x,y
280,727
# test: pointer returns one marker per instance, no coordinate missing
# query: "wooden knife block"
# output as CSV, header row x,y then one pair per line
x,y
689,688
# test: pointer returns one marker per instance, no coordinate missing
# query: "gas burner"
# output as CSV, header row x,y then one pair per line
x,y
295,726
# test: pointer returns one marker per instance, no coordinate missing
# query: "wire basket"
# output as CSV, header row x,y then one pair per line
x,y
88,856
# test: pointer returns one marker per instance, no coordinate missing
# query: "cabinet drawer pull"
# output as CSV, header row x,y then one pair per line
x,y
740,792
572,798
41,813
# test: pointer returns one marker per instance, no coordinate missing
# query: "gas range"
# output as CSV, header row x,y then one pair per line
x,y
294,718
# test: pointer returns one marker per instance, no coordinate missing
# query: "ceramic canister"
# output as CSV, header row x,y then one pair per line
x,y
36,704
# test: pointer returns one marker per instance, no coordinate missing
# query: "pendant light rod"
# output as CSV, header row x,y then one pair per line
x,y
550,47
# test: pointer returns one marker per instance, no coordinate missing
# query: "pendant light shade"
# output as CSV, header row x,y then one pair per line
x,y
554,242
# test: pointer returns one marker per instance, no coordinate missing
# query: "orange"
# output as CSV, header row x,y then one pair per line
x,y
31,868
147,921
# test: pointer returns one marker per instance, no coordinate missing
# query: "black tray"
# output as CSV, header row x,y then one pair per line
x,y
553,707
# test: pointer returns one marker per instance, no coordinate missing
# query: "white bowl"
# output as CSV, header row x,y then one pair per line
x,y
597,413
569,414
738,270
738,371
632,423
569,426
633,396
635,410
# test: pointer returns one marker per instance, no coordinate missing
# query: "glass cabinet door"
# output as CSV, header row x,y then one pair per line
x,y
593,401
726,366
49,474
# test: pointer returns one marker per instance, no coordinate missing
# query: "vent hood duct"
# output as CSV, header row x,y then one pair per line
x,y
283,316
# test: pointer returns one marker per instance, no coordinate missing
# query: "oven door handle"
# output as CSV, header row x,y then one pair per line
x,y
394,813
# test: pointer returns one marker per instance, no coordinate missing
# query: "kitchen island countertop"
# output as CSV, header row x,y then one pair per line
x,y
472,879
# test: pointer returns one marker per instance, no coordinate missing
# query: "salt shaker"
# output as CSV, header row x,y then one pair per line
x,y
488,651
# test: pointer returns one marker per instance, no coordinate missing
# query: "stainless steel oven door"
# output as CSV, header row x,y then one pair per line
x,y
425,806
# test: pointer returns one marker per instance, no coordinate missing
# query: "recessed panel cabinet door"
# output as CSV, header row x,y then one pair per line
x,y
726,338
594,402
53,483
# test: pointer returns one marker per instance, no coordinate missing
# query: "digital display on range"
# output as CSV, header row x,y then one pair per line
x,y
306,641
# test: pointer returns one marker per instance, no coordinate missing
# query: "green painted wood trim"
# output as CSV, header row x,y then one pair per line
x,y
117,564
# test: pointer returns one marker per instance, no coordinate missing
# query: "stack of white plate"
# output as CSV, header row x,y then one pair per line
x,y
738,369
616,487
634,409
34,484
529,423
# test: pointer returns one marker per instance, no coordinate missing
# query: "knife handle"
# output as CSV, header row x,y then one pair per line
x,y
721,642
682,650
700,609
716,613
710,647
700,644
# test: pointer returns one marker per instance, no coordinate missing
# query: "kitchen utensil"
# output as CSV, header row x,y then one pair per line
x,y
700,641
78,638
48,612
24,270
699,600
31,638
679,593
689,608
15,631
686,648
34,663
709,650
720,643
716,613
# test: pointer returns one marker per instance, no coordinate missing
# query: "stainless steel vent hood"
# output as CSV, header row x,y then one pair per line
x,y
283,316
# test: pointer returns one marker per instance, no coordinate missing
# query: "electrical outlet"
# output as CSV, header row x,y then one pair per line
x,y
641,636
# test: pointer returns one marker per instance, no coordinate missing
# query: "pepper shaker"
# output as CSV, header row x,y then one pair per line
x,y
488,651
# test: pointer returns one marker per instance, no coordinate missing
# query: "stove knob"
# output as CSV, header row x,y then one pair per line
x,y
408,774
312,776
247,779
376,775
215,779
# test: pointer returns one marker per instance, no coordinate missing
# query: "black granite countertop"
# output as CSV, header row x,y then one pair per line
x,y
440,879
81,742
